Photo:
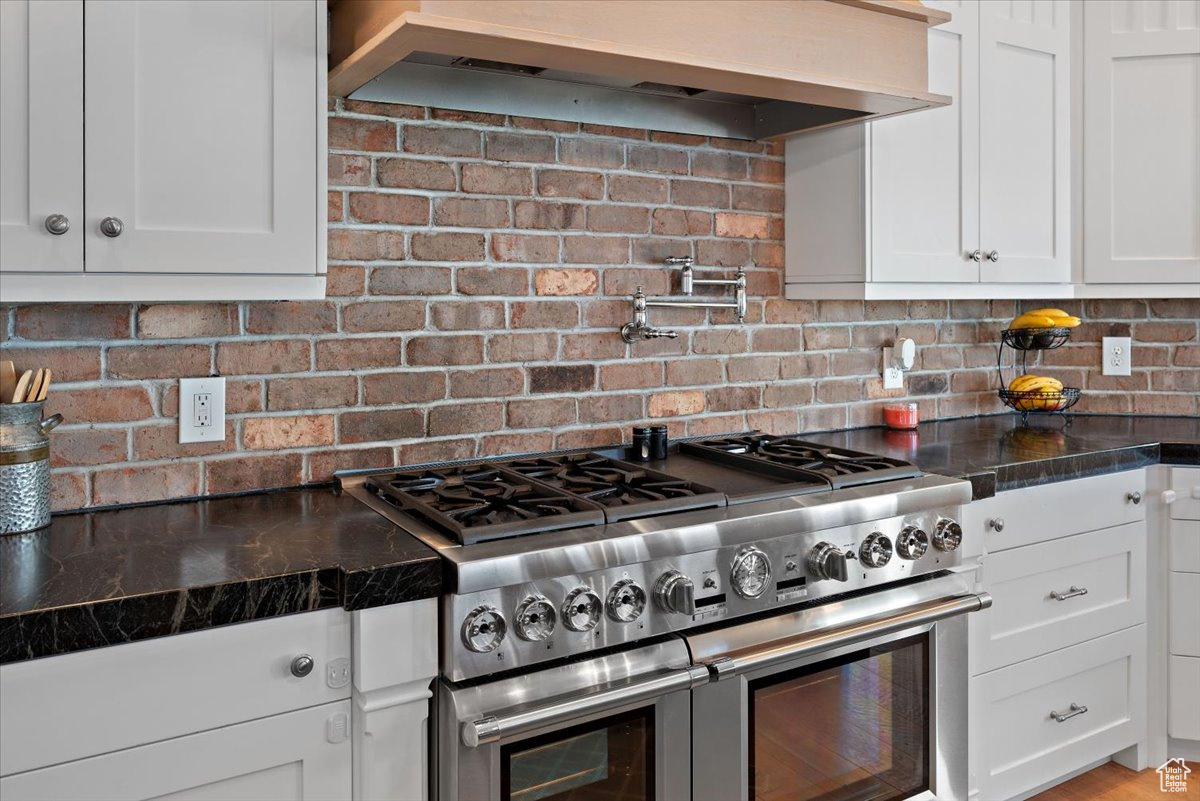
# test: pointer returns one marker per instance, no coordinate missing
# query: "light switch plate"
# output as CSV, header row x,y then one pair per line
x,y
1117,356
202,409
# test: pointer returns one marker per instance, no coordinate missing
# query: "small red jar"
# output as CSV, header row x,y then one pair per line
x,y
901,416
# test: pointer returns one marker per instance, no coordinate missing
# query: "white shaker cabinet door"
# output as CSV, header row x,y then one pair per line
x,y
1025,113
298,756
1141,148
925,167
201,136
41,135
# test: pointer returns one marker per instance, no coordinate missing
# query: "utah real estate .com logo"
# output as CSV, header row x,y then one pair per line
x,y
1172,776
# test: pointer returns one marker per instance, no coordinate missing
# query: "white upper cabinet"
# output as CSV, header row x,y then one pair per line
x,y
1141,146
41,136
954,201
924,168
194,170
1024,154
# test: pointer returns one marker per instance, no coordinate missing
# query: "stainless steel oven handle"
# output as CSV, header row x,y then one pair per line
x,y
807,644
496,727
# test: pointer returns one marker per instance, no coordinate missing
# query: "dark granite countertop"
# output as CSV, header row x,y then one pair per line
x,y
108,577
1000,452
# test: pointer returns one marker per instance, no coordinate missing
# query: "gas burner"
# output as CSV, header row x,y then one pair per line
x,y
625,490
483,502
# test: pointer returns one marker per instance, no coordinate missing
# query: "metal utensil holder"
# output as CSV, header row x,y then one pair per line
x,y
639,328
25,466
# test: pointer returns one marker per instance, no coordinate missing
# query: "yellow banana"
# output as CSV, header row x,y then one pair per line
x,y
1067,322
1047,312
1032,321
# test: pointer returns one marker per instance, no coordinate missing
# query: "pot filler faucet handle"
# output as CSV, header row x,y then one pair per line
x,y
639,328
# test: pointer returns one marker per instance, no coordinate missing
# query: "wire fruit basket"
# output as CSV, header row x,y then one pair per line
x,y
1033,401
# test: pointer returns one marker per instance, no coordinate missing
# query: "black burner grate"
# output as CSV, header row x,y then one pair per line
x,y
805,460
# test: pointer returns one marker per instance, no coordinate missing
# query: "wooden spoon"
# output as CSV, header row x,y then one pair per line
x,y
8,380
35,386
41,396
22,389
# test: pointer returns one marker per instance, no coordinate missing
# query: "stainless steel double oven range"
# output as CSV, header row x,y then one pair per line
x,y
752,617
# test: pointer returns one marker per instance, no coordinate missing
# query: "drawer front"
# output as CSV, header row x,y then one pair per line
x,y
1183,706
1184,613
1185,482
67,707
1099,577
1185,545
1017,744
1050,511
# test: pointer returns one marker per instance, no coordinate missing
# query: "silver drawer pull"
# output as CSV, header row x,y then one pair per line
x,y
1062,717
1074,592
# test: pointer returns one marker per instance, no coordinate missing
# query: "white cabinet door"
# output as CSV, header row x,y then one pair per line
x,y
1025,113
299,756
1141,149
41,134
925,167
197,116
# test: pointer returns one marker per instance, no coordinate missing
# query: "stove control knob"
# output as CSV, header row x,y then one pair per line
x,y
483,629
912,543
581,610
876,550
947,535
826,561
626,601
535,619
751,573
675,592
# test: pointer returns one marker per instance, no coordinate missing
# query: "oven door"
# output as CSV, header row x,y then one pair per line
x,y
863,699
611,727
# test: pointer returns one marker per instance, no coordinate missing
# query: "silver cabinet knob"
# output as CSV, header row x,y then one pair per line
x,y
111,227
975,255
1133,497
993,255
996,524
302,665
58,224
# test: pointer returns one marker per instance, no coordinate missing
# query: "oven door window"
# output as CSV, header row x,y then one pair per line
x,y
611,758
855,728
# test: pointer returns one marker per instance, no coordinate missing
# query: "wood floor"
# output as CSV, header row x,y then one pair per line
x,y
1111,782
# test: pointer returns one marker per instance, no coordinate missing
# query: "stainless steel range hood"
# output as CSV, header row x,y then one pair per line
x,y
747,69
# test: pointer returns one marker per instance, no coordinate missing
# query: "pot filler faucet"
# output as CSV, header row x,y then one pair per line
x,y
639,328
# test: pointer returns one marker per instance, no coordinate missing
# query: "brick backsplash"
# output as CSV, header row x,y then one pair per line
x,y
479,268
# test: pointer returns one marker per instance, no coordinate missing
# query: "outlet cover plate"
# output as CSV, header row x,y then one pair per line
x,y
202,409
1117,356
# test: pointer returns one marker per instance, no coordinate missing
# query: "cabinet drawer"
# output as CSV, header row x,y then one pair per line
x,y
1185,545
1026,620
1185,481
1185,613
1018,745
1050,511
1183,706
77,705
301,755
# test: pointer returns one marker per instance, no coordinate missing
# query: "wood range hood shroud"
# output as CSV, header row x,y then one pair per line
x,y
744,69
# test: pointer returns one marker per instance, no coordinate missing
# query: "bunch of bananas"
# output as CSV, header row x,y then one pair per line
x,y
1045,318
1048,390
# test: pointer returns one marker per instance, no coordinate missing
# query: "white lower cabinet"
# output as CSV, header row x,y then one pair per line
x,y
1093,687
1059,661
297,756
1183,605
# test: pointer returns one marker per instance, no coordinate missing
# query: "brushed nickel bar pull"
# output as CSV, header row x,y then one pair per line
x,y
1063,717
496,727
1074,592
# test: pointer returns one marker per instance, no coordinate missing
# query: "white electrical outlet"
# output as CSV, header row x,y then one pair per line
x,y
1117,355
202,409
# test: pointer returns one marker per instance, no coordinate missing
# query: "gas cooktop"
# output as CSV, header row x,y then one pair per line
x,y
473,503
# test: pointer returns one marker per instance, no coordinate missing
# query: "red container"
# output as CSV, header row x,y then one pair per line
x,y
901,416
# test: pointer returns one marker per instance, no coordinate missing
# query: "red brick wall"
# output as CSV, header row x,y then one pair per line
x,y
479,269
